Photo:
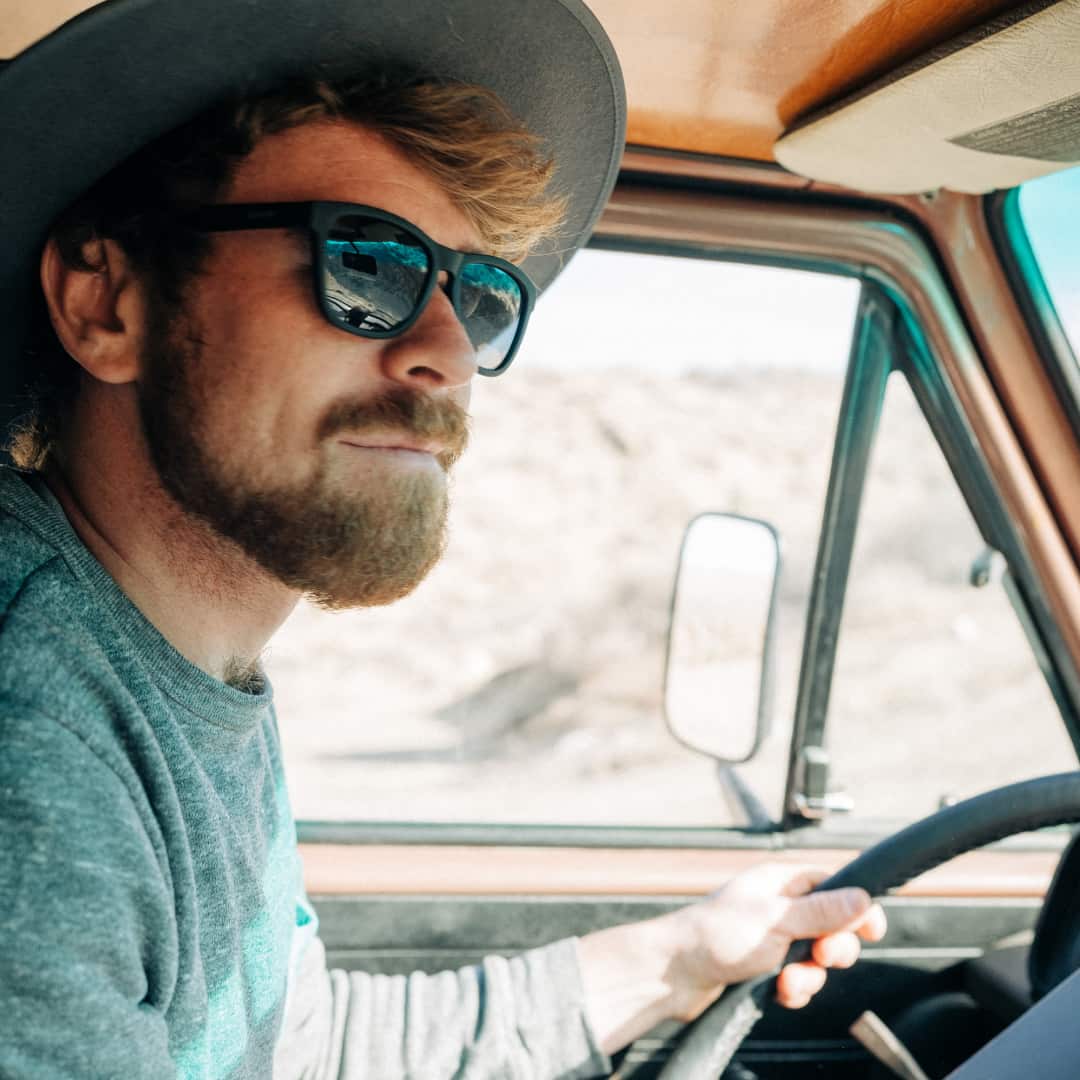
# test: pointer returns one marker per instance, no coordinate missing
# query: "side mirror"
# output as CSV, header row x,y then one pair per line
x,y
718,672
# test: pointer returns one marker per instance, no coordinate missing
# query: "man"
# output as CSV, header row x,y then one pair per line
x,y
253,345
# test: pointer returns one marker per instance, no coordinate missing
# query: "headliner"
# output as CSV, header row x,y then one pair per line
x,y
720,77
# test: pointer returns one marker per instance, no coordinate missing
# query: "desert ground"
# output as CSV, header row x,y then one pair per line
x,y
522,682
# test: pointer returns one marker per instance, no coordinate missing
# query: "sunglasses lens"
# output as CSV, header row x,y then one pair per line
x,y
374,273
490,303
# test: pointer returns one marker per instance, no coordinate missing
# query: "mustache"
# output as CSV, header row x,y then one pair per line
x,y
441,420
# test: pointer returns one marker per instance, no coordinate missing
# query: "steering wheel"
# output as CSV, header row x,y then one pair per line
x,y
709,1042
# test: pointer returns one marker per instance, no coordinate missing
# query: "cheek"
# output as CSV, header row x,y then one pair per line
x,y
271,365
256,328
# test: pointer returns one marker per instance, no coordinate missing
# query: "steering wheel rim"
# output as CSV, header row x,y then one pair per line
x,y
709,1042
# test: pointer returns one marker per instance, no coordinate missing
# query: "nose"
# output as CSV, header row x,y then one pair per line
x,y
435,353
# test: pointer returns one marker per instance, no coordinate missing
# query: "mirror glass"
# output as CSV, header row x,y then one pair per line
x,y
718,640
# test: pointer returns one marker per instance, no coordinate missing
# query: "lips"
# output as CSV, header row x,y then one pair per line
x,y
397,444
400,419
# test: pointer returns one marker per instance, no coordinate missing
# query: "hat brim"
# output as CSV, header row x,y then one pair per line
x,y
81,100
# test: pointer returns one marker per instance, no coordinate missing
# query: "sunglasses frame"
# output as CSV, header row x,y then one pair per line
x,y
318,217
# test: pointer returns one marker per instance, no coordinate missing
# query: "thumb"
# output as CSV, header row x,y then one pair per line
x,y
825,912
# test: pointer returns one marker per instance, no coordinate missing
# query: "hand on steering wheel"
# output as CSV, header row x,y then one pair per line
x,y
748,926
710,1042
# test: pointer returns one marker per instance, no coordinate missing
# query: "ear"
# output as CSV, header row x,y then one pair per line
x,y
98,313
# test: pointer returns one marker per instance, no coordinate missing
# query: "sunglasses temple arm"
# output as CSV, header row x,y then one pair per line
x,y
236,217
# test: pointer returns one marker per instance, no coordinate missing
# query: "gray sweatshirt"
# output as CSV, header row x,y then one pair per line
x,y
153,921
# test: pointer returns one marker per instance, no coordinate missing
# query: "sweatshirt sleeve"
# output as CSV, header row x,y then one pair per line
x,y
81,921
511,1019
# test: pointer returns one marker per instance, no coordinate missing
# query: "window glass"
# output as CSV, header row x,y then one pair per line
x,y
522,681
937,694
1048,208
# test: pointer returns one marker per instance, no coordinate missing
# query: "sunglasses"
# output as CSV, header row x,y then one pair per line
x,y
375,273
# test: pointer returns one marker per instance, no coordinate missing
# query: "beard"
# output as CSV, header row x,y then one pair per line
x,y
342,549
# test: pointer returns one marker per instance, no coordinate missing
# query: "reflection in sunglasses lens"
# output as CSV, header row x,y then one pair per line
x,y
374,273
489,306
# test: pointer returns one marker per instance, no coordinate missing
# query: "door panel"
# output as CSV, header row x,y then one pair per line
x,y
395,934
918,967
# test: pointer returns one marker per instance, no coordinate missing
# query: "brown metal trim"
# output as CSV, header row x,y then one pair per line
x,y
642,159
959,226
352,869
871,240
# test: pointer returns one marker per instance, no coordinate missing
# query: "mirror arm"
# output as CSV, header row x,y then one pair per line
x,y
742,801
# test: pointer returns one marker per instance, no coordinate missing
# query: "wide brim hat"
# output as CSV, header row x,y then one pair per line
x,y
78,102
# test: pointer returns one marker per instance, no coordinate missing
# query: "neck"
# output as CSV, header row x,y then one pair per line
x,y
213,604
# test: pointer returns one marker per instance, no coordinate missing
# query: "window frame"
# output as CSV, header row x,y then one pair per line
x,y
888,252
1021,268
889,342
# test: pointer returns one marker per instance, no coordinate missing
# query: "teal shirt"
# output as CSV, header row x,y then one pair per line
x,y
152,912
149,854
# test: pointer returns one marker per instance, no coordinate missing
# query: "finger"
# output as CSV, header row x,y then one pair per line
x,y
874,924
825,912
776,878
798,983
836,950
801,879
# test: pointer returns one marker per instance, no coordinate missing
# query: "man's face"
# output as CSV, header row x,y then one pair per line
x,y
322,454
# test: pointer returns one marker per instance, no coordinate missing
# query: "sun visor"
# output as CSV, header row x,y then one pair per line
x,y
988,110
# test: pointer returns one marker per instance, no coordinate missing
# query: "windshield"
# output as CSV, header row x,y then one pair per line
x,y
1048,211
